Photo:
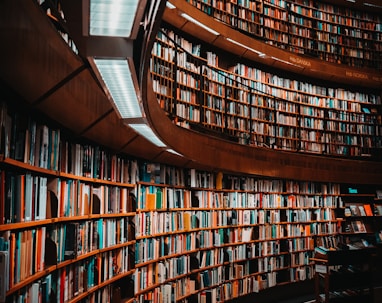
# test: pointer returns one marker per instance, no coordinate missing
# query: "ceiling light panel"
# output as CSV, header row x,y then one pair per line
x,y
147,132
118,79
113,18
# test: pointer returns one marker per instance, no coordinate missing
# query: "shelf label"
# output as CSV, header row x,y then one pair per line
x,y
356,75
300,61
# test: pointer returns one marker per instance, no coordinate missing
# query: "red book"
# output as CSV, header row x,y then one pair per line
x,y
62,285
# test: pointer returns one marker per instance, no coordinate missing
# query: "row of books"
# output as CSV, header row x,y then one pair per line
x,y
363,210
80,238
67,283
166,245
165,176
28,197
34,250
282,9
302,189
159,197
216,117
93,162
153,275
27,141
308,93
288,116
148,249
161,174
23,197
280,85
234,288
153,198
279,22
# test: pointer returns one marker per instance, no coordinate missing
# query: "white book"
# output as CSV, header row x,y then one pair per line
x,y
28,197
193,177
34,292
247,234
167,288
44,146
43,196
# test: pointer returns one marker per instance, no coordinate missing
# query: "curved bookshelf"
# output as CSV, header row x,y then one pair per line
x,y
229,242
66,213
255,50
334,33
251,106
208,149
87,112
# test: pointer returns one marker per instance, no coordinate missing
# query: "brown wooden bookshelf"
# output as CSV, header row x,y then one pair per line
x,y
251,106
344,275
222,230
97,121
60,214
331,32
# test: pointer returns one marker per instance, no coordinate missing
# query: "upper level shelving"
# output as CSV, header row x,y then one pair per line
x,y
327,31
250,105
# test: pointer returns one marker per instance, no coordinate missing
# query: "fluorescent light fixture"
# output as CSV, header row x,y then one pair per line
x,y
113,18
174,152
116,75
189,18
170,5
372,5
283,61
246,47
147,132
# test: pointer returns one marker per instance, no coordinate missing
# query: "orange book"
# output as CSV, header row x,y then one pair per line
x,y
368,210
150,201
187,221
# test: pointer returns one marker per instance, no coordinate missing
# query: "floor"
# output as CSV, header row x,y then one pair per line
x,y
289,294
310,298
305,299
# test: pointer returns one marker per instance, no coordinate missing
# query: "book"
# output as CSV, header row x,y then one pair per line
x,y
368,210
358,226
4,275
50,257
378,210
71,241
379,193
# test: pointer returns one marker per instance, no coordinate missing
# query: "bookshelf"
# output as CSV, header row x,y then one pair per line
x,y
56,15
348,272
361,224
344,275
249,235
67,213
250,105
79,111
331,32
